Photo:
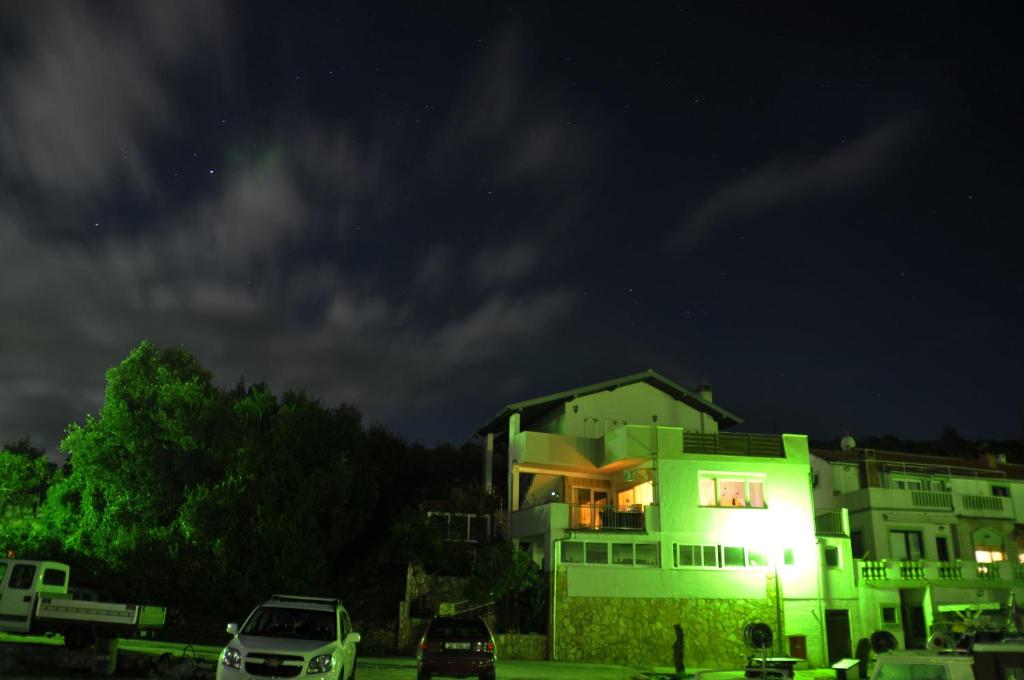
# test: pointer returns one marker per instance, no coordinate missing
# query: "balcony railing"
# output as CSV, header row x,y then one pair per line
x,y
912,570
734,444
604,517
924,570
984,506
988,571
832,523
951,570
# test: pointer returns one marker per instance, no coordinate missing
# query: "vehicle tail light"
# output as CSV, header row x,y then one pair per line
x,y
424,646
490,646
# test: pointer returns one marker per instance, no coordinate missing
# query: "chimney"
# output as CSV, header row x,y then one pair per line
x,y
704,392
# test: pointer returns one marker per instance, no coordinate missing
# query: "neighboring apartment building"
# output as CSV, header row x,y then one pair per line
x,y
655,524
936,540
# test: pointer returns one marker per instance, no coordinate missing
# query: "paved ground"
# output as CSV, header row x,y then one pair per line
x,y
141,655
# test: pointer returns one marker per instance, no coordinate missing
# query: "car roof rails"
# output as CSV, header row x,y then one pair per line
x,y
334,602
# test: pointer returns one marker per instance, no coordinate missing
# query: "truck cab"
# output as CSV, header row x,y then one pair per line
x,y
21,583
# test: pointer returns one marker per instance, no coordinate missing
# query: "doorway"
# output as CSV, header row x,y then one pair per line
x,y
837,630
915,628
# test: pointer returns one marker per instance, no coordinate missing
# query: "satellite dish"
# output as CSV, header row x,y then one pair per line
x,y
883,641
758,635
847,443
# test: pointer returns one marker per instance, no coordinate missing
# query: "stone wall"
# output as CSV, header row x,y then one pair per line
x,y
645,631
528,647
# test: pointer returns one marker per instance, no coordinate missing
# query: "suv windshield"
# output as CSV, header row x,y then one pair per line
x,y
301,624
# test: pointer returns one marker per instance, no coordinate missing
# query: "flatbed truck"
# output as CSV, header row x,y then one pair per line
x,y
34,600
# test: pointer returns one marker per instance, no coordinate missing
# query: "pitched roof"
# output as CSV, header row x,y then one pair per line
x,y
531,409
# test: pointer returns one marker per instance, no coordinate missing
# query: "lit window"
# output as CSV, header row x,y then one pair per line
x,y
731,492
641,494
707,491
988,554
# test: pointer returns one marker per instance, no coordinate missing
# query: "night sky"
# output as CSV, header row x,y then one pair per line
x,y
431,210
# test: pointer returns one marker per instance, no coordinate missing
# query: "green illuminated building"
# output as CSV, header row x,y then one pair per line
x,y
652,521
653,518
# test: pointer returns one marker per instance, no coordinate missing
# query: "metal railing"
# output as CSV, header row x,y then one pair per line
x,y
830,523
931,499
592,516
982,503
734,444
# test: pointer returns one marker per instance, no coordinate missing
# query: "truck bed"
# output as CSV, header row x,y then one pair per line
x,y
128,616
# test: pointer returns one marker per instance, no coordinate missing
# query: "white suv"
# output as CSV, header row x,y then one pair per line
x,y
291,637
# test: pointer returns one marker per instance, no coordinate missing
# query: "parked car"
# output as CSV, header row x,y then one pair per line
x,y
457,647
292,637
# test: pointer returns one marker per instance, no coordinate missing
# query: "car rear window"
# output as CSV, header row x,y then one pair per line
x,y
457,628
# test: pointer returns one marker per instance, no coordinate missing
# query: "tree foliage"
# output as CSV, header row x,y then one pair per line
x,y
199,497
508,577
204,499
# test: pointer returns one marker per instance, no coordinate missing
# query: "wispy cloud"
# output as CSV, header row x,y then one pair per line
x,y
787,181
89,91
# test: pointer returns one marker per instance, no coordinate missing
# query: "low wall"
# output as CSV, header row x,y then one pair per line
x,y
522,647
704,632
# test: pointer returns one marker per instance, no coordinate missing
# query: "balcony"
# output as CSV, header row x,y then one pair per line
x,y
994,507
550,517
877,498
1004,573
604,517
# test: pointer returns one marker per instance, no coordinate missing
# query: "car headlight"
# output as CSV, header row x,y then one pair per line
x,y
231,657
320,664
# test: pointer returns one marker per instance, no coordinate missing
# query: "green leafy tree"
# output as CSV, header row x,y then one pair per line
x,y
509,578
157,439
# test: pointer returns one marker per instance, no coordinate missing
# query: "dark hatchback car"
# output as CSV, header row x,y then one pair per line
x,y
456,647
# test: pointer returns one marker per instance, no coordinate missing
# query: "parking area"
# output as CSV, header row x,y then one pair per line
x,y
139,660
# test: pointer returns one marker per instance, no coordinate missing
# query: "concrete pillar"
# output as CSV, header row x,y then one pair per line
x,y
489,464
